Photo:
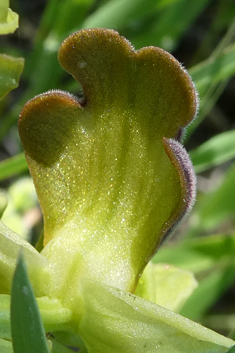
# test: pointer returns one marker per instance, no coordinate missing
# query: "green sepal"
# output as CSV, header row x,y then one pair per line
x,y
166,285
26,325
54,316
10,71
199,255
8,19
116,321
11,244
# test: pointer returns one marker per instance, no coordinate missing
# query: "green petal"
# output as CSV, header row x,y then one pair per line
x,y
11,244
54,316
8,19
165,285
110,177
116,321
10,71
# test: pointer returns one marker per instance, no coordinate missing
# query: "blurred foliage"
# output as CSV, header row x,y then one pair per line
x,y
199,33
10,67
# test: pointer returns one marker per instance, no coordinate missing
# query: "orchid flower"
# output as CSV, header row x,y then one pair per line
x,y
113,180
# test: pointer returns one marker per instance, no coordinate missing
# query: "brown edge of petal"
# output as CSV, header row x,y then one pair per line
x,y
189,85
39,101
182,163
86,34
66,50
33,111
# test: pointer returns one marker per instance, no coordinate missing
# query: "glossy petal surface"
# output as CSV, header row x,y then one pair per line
x,y
109,185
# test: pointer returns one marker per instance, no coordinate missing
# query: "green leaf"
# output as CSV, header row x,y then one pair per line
x,y
165,30
215,151
216,206
10,71
211,258
66,16
214,69
115,321
93,161
221,322
54,316
209,291
8,19
117,13
211,76
26,325
165,285
198,254
232,350
5,324
12,166
5,346
42,69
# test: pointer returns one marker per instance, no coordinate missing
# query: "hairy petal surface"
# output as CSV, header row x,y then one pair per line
x,y
111,179
115,321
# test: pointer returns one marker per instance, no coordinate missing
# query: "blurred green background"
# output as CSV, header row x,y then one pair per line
x,y
201,35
